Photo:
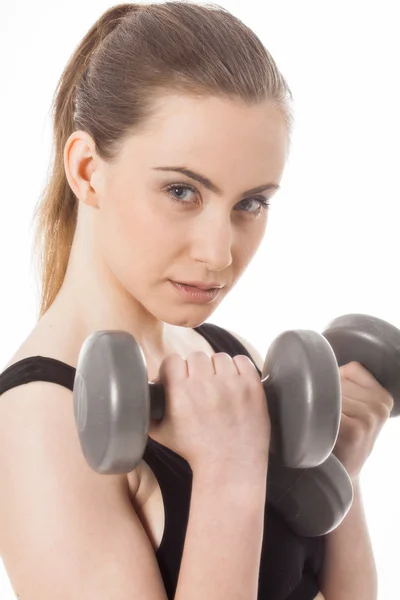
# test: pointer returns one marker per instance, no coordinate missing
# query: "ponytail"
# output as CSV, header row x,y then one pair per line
x,y
57,210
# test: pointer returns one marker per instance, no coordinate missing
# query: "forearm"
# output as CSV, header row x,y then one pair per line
x,y
349,569
222,552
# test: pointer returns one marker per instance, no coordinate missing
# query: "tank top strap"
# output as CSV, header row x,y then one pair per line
x,y
37,368
223,341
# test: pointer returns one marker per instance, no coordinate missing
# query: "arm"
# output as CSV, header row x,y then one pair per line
x,y
72,533
222,551
349,569
66,531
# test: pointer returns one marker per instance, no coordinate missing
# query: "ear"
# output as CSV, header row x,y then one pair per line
x,y
255,355
81,170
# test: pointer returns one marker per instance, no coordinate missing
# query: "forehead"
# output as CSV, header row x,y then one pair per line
x,y
215,117
210,131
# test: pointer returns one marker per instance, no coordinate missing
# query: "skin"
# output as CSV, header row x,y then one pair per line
x,y
131,238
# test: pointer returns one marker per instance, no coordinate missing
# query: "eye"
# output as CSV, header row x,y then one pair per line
x,y
263,203
174,187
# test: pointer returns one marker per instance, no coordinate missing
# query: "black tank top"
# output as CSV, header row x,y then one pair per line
x,y
290,564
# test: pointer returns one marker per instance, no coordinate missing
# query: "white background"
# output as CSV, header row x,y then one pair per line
x,y
332,244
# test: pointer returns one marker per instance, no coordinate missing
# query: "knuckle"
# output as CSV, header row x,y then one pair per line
x,y
389,402
354,365
244,361
173,357
383,410
198,355
170,361
356,434
243,357
352,368
369,420
219,355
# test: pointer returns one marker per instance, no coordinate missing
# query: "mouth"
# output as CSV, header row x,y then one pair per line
x,y
196,294
200,286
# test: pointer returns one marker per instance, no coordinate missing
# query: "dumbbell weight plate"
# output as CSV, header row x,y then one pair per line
x,y
112,401
313,502
372,342
302,382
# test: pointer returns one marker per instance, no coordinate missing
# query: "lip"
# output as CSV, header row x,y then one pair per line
x,y
200,285
194,294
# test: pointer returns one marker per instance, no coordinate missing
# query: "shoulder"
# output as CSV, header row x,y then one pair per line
x,y
254,353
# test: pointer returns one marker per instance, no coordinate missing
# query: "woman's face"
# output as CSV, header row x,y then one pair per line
x,y
151,229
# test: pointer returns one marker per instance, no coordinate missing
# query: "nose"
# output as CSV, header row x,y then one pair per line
x,y
213,244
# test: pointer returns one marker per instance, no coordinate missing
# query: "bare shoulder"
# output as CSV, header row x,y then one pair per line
x,y
44,341
51,499
319,597
254,353
44,406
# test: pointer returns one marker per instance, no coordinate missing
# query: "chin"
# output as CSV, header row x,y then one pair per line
x,y
198,317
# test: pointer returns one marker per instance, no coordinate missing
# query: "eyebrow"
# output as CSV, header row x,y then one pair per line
x,y
212,186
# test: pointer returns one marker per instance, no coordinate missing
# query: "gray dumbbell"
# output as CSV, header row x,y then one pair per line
x,y
114,402
372,342
314,501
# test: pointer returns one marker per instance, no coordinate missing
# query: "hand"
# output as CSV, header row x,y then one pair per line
x,y
366,406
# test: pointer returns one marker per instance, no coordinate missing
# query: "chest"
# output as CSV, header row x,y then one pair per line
x,y
148,503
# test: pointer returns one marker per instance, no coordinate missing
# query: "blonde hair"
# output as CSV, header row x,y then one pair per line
x,y
131,54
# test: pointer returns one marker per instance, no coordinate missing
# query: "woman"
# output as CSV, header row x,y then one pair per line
x,y
172,128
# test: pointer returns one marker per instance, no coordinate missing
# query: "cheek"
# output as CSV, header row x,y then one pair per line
x,y
247,244
134,241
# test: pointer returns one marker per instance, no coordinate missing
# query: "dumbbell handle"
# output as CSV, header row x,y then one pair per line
x,y
158,402
157,399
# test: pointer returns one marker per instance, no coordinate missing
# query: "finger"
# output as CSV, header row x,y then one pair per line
x,y
353,408
173,369
245,366
225,363
370,416
201,364
357,373
347,431
355,391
